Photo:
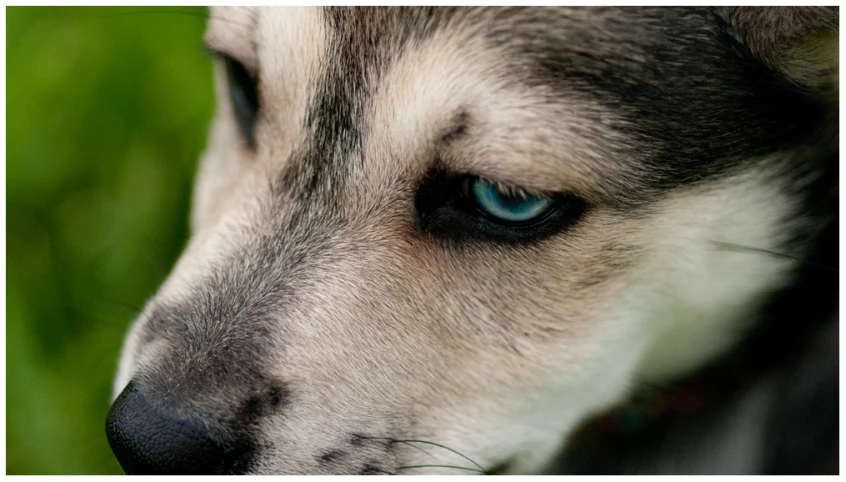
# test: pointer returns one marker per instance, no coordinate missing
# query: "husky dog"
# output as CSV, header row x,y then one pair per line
x,y
440,240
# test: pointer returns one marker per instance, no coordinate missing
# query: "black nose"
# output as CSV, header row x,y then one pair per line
x,y
148,437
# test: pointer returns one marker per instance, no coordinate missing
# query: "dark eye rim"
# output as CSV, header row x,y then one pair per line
x,y
242,89
444,210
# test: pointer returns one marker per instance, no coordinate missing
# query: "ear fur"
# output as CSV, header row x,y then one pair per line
x,y
800,42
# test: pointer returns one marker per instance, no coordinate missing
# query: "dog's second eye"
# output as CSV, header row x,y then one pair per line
x,y
243,92
506,205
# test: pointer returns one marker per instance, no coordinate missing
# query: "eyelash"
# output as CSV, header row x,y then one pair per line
x,y
445,208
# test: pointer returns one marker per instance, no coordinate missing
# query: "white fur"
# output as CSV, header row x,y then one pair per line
x,y
698,298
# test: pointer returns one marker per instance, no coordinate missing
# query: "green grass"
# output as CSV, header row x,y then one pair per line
x,y
107,112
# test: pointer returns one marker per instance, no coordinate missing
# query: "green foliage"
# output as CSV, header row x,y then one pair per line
x,y
107,112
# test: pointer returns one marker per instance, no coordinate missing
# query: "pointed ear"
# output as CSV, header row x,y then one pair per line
x,y
800,42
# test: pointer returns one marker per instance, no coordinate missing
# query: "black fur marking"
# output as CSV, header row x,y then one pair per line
x,y
334,116
252,409
363,42
272,399
694,103
457,129
330,456
279,396
244,456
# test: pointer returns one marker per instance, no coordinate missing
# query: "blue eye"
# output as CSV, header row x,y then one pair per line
x,y
507,205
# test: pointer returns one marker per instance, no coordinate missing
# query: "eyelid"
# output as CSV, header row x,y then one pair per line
x,y
513,190
216,52
222,54
512,186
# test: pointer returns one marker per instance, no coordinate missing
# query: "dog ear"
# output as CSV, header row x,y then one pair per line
x,y
800,42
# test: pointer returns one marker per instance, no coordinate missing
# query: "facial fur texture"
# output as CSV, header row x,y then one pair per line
x,y
311,314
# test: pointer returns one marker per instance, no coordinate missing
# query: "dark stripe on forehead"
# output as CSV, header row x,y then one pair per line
x,y
334,118
361,44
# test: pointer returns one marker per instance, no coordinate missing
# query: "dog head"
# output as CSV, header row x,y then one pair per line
x,y
437,239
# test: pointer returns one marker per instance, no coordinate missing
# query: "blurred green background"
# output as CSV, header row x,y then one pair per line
x,y
107,112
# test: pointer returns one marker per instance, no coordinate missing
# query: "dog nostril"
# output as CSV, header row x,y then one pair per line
x,y
147,438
